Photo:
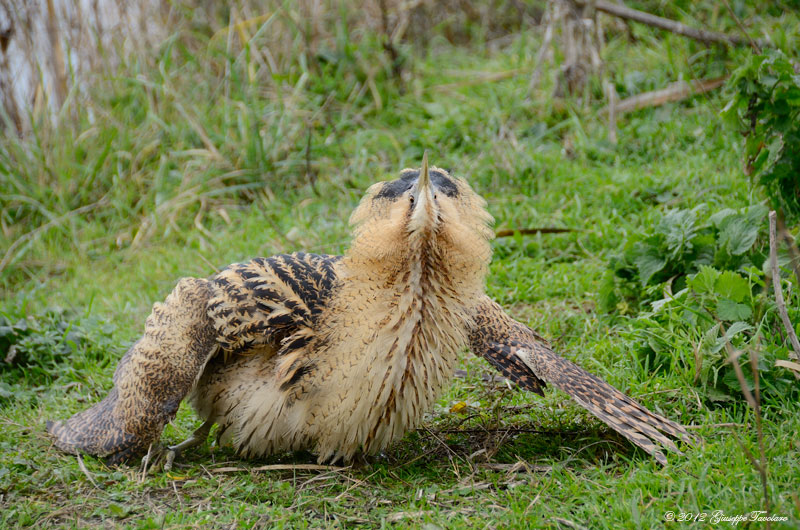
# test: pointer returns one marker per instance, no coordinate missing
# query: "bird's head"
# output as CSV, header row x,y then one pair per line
x,y
425,212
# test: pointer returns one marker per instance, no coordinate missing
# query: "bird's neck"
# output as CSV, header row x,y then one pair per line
x,y
418,293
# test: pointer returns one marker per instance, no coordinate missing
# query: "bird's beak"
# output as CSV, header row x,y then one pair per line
x,y
424,205
423,194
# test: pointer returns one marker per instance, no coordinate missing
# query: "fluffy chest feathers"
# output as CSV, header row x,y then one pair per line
x,y
392,339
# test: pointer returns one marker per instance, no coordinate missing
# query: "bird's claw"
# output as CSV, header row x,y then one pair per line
x,y
151,459
158,458
169,458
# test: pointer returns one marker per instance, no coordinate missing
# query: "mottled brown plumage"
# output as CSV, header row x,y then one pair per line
x,y
339,354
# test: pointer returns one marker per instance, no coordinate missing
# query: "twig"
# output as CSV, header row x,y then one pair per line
x,y
568,523
550,21
194,124
701,35
479,80
148,461
311,176
86,471
753,44
57,55
791,244
280,467
389,47
676,91
399,516
776,285
443,444
355,484
762,469
512,430
714,425
733,359
789,365
611,95
506,232
518,467
755,402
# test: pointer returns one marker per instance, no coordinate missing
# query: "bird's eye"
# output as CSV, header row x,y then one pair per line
x,y
411,199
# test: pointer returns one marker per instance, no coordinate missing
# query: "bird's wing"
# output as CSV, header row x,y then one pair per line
x,y
524,357
265,301
271,300
150,381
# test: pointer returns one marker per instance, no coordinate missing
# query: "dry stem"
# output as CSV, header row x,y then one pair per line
x,y
776,284
755,402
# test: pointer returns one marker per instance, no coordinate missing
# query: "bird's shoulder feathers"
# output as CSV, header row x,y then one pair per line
x,y
274,300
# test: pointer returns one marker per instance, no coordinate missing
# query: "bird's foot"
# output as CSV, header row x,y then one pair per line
x,y
155,460
164,458
362,461
159,458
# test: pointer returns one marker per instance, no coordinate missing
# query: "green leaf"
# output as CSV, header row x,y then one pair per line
x,y
717,218
775,150
648,263
732,382
736,328
704,249
757,214
705,280
717,396
657,344
607,296
738,235
678,228
710,338
732,286
717,343
730,311
118,510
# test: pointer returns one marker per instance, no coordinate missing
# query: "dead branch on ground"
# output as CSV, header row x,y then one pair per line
x,y
676,91
672,26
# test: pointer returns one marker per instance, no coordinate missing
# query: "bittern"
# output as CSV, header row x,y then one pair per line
x,y
339,354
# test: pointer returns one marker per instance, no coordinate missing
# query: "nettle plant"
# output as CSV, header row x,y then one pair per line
x,y
693,286
37,349
765,108
676,248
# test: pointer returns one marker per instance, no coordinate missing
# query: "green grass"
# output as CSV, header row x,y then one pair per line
x,y
137,198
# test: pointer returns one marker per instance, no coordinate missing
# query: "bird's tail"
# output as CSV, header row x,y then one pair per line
x,y
639,425
150,381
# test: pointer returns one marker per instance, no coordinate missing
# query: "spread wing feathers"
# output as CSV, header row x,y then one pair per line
x,y
522,355
499,348
265,301
150,381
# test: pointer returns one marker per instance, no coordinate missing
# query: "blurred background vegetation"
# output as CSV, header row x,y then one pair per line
x,y
141,143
